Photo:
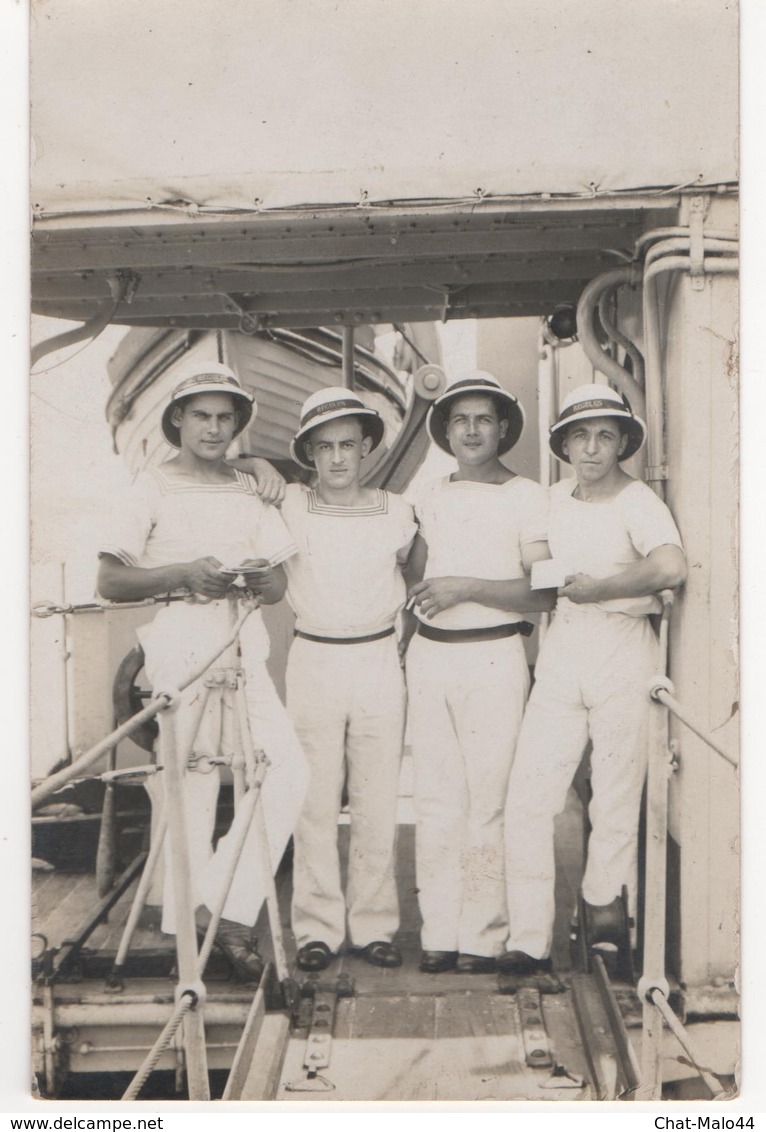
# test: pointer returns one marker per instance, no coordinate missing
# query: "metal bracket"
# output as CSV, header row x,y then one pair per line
x,y
319,1040
561,1078
697,210
656,472
534,1037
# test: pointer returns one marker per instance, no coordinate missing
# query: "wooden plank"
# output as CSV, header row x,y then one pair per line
x,y
262,1081
243,1058
474,1052
378,1016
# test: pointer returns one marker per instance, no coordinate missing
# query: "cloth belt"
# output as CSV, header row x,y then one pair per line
x,y
344,640
463,636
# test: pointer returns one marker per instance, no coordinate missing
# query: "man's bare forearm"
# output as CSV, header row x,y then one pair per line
x,y
119,582
512,595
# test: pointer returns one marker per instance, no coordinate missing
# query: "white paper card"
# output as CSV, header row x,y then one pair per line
x,y
549,574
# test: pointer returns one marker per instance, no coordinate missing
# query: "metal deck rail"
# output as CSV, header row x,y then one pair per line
x,y
249,770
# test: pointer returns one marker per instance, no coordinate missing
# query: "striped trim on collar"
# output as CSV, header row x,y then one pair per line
x,y
169,484
315,506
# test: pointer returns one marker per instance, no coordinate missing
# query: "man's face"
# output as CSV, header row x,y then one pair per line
x,y
474,429
593,447
337,449
206,423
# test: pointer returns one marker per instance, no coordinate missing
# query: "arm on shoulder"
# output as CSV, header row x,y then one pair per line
x,y
269,483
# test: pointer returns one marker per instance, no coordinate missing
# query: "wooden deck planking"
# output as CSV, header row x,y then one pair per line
x,y
477,1066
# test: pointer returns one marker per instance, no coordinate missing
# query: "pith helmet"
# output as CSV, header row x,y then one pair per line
x,y
589,401
508,408
329,405
207,377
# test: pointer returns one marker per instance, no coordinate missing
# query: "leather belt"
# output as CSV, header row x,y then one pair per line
x,y
464,636
344,640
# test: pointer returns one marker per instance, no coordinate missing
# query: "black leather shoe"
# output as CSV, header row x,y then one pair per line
x,y
315,956
380,953
520,964
236,942
434,962
475,964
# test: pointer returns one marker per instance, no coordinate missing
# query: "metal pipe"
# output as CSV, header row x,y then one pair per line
x,y
139,899
90,329
546,404
65,657
681,246
655,896
245,814
660,1001
49,608
186,932
614,332
272,903
664,697
667,233
658,769
56,781
348,357
114,1012
629,275
655,440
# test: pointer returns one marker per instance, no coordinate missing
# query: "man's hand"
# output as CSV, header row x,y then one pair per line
x,y
264,579
270,485
581,589
203,576
258,573
434,595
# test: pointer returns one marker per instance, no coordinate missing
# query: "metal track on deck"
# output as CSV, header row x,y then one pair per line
x,y
403,1035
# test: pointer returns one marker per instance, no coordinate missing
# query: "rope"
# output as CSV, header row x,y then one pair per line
x,y
157,704
185,1003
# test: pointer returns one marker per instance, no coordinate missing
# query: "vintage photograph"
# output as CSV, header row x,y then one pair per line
x,y
384,417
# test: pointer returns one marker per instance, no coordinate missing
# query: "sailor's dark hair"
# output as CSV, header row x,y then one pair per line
x,y
367,423
503,407
182,402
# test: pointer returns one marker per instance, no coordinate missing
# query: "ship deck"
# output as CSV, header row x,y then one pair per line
x,y
401,1035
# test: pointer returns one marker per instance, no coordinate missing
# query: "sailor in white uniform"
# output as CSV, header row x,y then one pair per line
x,y
481,529
345,687
617,545
178,525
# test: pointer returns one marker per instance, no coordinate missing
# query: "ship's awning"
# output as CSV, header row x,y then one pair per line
x,y
306,162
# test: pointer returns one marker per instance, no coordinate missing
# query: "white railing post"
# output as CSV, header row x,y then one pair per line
x,y
659,763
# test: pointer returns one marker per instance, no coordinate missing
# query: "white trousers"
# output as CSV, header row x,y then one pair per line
x,y
282,791
591,681
466,704
347,704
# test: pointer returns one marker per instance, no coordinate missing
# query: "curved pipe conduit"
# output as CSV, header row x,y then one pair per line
x,y
614,332
602,285
665,259
89,330
665,250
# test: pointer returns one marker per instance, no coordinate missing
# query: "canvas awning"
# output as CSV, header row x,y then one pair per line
x,y
306,161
